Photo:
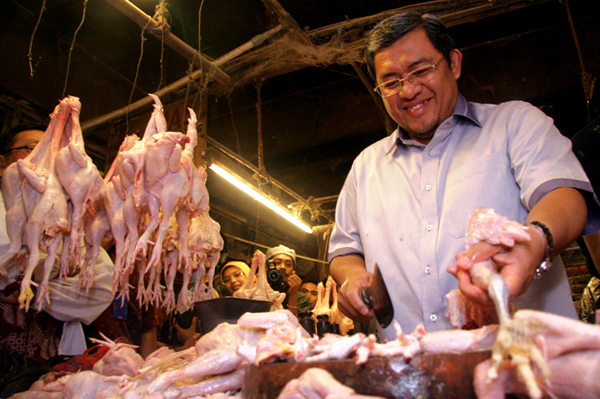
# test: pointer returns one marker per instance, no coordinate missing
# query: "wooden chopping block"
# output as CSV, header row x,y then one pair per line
x,y
445,375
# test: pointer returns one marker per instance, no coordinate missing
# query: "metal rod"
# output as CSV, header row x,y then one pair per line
x,y
150,25
267,247
255,41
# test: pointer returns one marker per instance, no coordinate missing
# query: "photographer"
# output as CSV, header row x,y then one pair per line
x,y
284,259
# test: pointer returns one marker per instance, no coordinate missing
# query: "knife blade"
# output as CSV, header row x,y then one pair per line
x,y
376,296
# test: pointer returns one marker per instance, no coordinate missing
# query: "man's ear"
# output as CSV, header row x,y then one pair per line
x,y
456,62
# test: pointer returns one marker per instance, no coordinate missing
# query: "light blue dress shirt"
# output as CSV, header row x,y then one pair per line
x,y
405,205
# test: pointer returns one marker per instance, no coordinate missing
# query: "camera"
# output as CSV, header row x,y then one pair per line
x,y
276,279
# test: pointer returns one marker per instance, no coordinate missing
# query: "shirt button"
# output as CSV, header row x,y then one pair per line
x,y
432,153
428,270
428,187
429,227
433,317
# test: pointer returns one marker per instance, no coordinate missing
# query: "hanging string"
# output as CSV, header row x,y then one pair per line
x,y
235,132
137,72
71,48
163,20
261,165
588,80
30,55
202,84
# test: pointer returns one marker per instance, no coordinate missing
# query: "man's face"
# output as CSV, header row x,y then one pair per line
x,y
310,289
233,279
284,262
22,139
419,108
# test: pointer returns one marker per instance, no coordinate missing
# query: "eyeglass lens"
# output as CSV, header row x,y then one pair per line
x,y
237,274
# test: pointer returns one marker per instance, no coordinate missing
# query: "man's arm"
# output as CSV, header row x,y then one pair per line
x,y
294,281
350,273
563,210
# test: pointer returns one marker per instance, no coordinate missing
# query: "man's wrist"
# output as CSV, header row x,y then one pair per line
x,y
546,234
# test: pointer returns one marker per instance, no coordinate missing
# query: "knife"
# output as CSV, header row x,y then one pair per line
x,y
375,295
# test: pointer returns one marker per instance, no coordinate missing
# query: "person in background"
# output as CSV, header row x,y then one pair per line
x,y
310,290
284,258
54,329
407,198
234,275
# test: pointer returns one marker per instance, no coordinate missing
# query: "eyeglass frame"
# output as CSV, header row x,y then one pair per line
x,y
28,148
237,274
409,77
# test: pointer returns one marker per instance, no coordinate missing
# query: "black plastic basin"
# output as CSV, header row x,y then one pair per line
x,y
213,312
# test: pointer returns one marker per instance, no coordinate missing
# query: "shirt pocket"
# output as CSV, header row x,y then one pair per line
x,y
486,181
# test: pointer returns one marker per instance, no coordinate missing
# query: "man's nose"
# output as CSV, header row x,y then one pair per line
x,y
409,89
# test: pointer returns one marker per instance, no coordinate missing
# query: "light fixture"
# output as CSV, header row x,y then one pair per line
x,y
251,191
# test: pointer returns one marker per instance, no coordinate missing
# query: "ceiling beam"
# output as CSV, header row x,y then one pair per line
x,y
90,124
150,25
343,43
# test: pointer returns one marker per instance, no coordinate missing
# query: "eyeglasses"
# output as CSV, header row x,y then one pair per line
x,y
418,76
236,275
27,148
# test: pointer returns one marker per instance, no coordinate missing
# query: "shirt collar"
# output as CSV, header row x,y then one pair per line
x,y
462,110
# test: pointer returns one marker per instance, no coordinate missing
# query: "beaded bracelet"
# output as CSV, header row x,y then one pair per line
x,y
546,262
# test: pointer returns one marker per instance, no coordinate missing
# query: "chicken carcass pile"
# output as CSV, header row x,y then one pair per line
x,y
51,197
216,364
153,201
159,203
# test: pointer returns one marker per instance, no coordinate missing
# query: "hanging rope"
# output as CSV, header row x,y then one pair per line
x,y
30,55
71,48
261,165
137,73
163,20
588,80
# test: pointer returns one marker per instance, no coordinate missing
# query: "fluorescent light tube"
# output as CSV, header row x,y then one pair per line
x,y
251,191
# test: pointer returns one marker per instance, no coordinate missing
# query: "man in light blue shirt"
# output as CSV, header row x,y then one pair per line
x,y
407,199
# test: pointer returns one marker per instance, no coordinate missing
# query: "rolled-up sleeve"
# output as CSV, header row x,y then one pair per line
x,y
345,237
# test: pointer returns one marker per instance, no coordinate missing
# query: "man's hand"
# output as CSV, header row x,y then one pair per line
x,y
294,282
188,336
350,272
516,266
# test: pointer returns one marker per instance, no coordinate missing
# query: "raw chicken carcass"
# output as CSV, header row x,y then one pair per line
x,y
261,290
45,205
572,349
79,178
120,359
316,383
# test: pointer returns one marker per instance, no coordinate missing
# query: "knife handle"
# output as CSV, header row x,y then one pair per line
x,y
365,297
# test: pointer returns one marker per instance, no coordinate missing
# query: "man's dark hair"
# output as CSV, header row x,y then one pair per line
x,y
7,137
386,32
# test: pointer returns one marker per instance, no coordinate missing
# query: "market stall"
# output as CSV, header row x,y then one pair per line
x,y
235,138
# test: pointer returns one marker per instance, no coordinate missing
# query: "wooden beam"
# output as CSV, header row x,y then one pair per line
x,y
179,84
150,25
284,18
283,56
